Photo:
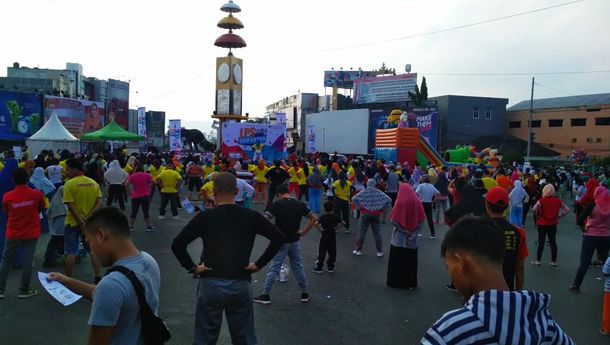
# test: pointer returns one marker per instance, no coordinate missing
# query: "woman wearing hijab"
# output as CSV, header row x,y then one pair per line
x,y
471,201
548,210
371,203
40,182
116,177
407,218
6,185
596,233
415,177
442,199
517,197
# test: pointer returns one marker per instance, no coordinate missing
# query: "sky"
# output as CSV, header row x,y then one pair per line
x,y
166,48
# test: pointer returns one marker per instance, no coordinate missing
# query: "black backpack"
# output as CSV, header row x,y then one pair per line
x,y
154,330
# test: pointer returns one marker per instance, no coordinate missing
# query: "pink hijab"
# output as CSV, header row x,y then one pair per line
x,y
602,200
408,210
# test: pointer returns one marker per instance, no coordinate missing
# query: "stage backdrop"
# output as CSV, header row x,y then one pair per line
x,y
253,141
426,119
19,115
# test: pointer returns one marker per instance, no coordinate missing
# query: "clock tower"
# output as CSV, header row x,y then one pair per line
x,y
229,69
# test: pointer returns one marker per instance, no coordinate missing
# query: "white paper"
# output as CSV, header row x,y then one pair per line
x,y
58,291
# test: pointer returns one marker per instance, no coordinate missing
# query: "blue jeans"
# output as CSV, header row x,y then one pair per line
x,y
374,222
293,251
314,200
234,297
516,216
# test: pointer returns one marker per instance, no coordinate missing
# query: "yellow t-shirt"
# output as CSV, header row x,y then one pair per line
x,y
207,170
322,169
83,193
295,174
21,164
208,188
169,179
489,183
351,171
302,177
128,169
342,192
260,173
154,172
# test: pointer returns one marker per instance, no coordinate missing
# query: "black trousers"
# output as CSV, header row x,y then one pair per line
x,y
116,192
342,211
328,245
304,192
171,198
271,194
55,248
543,232
428,211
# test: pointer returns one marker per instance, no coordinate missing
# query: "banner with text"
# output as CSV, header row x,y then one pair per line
x,y
253,141
118,102
19,115
311,139
393,88
175,138
78,116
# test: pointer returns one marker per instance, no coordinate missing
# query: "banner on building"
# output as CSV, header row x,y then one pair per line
x,y
426,119
118,102
311,139
253,141
344,79
78,116
175,137
20,115
155,129
142,126
393,88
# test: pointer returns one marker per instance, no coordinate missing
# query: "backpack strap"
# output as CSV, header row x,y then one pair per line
x,y
137,285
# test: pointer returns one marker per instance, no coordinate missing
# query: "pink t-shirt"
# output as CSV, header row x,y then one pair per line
x,y
140,182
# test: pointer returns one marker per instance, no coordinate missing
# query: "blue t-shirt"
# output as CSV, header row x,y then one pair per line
x,y
115,302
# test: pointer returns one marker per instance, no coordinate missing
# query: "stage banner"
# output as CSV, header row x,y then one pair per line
x,y
426,119
118,102
175,138
311,139
253,141
78,116
19,115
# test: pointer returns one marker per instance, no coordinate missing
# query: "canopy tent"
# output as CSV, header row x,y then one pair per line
x,y
112,132
52,136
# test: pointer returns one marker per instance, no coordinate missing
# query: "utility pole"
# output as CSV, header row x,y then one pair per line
x,y
529,124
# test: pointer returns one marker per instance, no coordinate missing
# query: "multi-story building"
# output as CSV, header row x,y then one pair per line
x,y
59,82
155,128
296,108
564,124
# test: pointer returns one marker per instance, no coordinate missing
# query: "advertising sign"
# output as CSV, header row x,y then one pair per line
x,y
20,115
280,119
393,88
253,141
175,138
426,119
311,139
344,79
78,116
118,102
142,121
155,128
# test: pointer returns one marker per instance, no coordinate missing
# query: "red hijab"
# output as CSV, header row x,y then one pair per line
x,y
589,197
602,200
408,210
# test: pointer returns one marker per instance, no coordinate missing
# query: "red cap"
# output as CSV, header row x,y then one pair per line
x,y
497,196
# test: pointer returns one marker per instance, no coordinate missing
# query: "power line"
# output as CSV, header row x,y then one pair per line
x,y
434,32
555,89
180,86
518,73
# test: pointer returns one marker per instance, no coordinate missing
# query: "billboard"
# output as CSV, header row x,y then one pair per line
x,y
311,139
118,102
19,115
175,137
393,88
344,131
155,128
253,141
344,79
78,116
426,119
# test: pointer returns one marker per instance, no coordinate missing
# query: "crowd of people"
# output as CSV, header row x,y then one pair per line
x,y
72,197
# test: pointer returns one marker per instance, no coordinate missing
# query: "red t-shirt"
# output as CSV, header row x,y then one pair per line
x,y
23,206
195,170
523,253
548,214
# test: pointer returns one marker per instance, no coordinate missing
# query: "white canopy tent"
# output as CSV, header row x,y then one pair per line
x,y
52,136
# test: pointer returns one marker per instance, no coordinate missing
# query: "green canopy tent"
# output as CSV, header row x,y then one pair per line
x,y
112,132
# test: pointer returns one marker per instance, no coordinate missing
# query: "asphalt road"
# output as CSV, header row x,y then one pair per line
x,y
350,306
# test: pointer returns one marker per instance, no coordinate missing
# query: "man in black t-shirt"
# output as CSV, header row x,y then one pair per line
x,y
276,177
328,225
288,213
228,232
496,202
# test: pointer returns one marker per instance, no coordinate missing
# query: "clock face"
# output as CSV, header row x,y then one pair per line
x,y
224,73
237,73
22,126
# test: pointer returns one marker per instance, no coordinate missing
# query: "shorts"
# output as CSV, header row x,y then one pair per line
x,y
72,237
195,184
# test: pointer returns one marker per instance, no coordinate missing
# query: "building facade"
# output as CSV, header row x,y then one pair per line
x,y
564,124
296,108
58,82
463,119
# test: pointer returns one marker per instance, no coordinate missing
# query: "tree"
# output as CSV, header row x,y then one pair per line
x,y
511,156
419,97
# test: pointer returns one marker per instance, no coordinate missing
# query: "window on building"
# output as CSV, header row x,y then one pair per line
x,y
488,114
514,124
551,145
574,140
598,140
536,123
475,113
602,121
578,122
556,123
589,140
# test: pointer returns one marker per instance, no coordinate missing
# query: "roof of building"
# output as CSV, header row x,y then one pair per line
x,y
464,96
564,102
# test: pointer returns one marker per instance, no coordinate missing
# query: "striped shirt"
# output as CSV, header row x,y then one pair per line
x,y
499,317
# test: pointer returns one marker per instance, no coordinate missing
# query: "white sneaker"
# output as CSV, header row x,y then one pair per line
x,y
161,217
379,254
176,217
536,262
357,253
553,263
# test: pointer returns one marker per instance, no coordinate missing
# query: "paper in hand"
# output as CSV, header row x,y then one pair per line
x,y
57,290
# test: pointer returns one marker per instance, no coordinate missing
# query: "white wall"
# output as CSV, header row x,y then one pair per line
x,y
344,131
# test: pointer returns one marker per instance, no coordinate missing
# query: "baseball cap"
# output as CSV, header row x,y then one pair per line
x,y
497,196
